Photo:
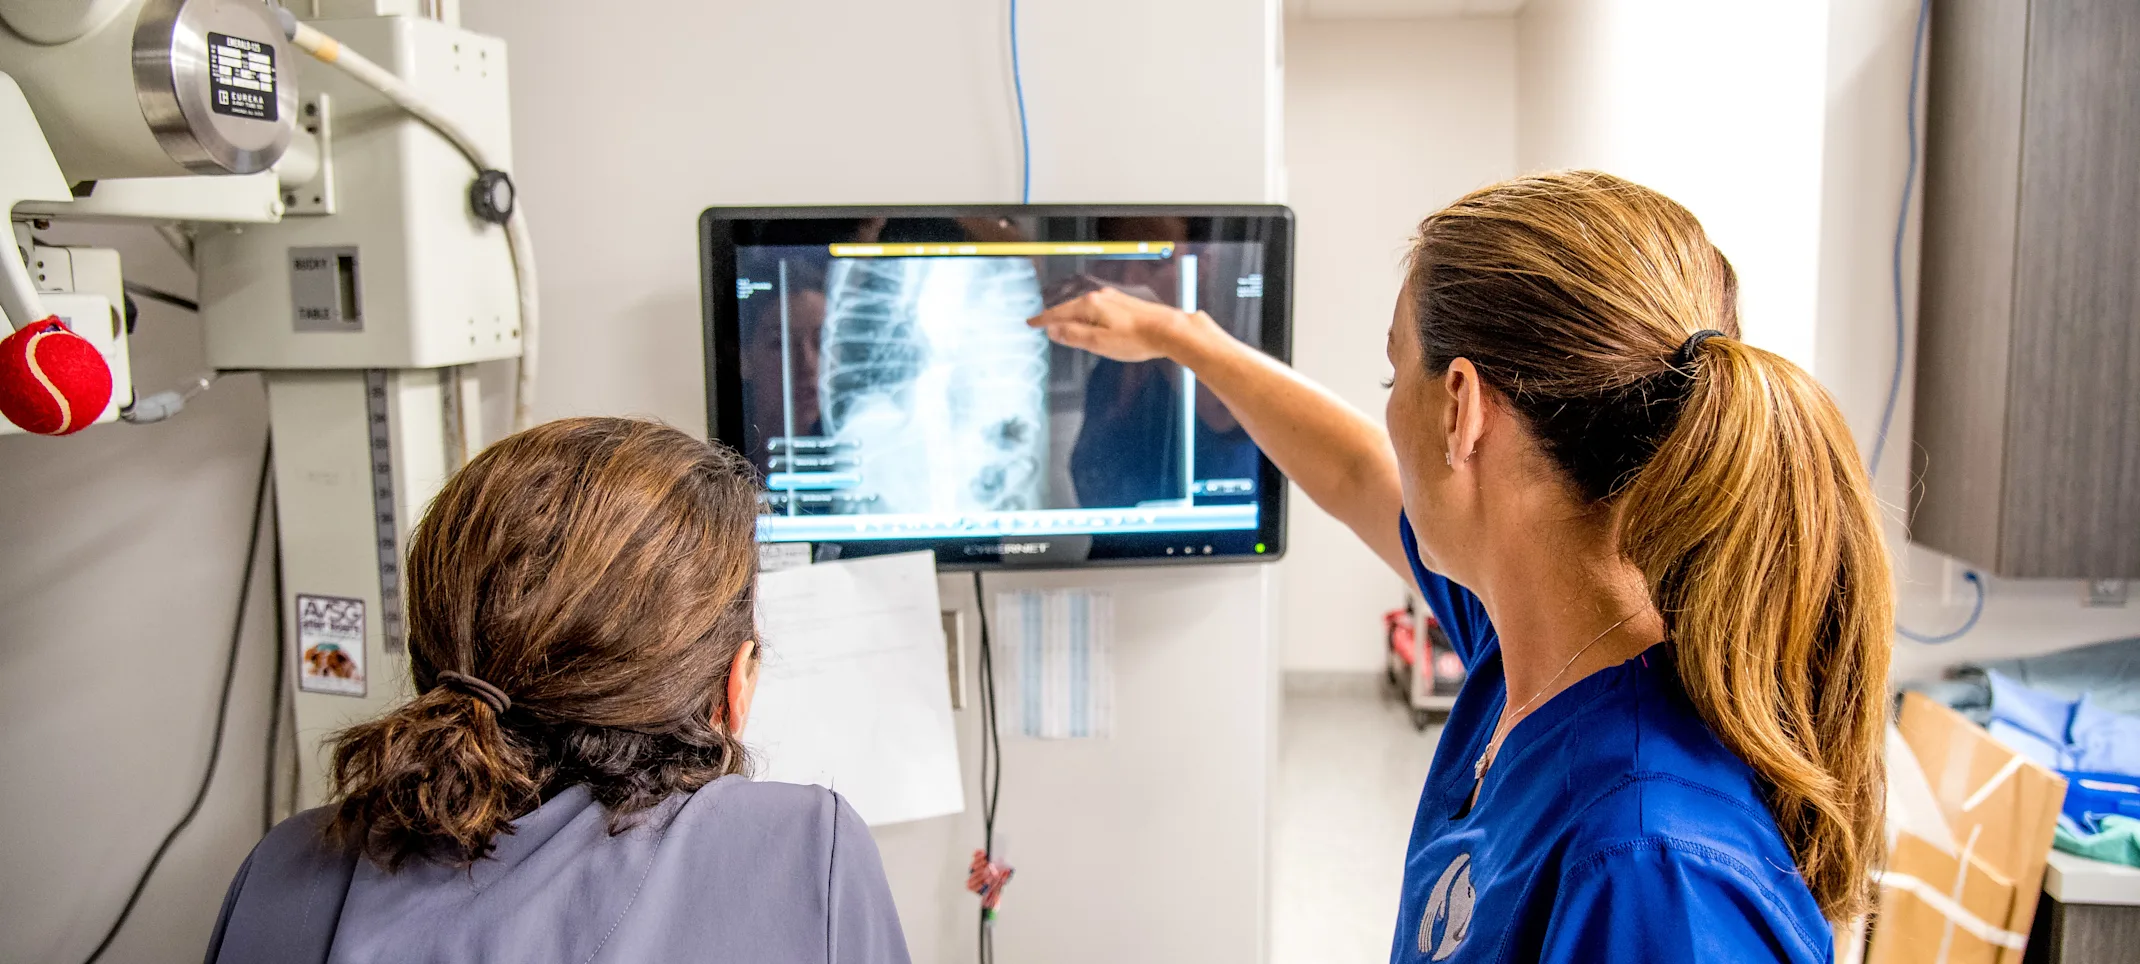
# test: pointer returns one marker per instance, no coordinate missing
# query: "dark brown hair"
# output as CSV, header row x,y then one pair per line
x,y
599,572
1733,479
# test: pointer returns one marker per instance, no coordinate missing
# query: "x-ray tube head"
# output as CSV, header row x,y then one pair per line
x,y
154,88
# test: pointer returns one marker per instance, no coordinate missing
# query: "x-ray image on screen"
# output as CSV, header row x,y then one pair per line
x,y
894,391
933,387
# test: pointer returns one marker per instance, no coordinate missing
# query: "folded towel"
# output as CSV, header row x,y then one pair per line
x,y
2118,842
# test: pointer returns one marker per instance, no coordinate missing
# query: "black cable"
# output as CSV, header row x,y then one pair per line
x,y
274,743
991,781
274,734
158,294
222,713
988,822
987,819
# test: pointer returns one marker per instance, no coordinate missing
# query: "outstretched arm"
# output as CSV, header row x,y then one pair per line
x,y
1339,457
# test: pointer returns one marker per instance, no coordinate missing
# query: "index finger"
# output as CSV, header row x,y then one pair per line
x,y
1076,310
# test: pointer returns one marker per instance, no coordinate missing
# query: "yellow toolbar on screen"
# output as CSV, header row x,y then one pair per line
x,y
984,249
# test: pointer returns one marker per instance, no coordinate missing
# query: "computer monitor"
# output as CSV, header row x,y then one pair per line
x,y
875,365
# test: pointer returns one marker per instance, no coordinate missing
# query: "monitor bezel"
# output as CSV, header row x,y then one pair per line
x,y
719,235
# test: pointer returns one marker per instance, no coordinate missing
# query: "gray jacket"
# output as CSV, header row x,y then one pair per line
x,y
739,871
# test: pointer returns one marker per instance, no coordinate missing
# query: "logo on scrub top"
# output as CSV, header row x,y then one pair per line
x,y
1447,920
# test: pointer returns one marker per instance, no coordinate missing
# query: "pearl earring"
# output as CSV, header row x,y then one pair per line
x,y
1449,459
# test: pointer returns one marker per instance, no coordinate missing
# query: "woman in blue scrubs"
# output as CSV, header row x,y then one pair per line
x,y
1654,546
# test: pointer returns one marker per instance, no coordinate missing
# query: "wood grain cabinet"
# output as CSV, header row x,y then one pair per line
x,y
2027,455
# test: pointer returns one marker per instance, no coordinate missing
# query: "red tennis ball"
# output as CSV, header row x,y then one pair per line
x,y
52,381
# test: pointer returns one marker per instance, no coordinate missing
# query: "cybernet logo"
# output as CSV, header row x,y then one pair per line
x,y
1010,549
1447,919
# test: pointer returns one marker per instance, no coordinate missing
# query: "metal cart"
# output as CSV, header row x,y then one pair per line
x,y
1422,668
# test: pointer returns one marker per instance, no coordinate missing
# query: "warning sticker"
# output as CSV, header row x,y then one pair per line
x,y
330,637
241,76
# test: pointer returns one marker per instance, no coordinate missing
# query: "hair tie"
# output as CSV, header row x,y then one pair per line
x,y
495,697
1685,356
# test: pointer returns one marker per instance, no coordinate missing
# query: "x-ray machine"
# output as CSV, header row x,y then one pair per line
x,y
336,172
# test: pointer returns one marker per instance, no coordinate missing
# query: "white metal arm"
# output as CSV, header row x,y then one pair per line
x,y
329,51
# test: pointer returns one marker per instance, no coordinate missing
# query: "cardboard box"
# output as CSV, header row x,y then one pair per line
x,y
1964,892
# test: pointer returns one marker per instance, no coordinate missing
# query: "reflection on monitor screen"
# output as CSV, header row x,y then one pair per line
x,y
893,391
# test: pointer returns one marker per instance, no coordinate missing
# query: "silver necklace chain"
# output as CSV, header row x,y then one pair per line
x,y
1493,747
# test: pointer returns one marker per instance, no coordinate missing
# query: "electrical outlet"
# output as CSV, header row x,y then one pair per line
x,y
1956,589
2107,592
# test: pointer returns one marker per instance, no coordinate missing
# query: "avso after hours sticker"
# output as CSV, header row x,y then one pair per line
x,y
330,644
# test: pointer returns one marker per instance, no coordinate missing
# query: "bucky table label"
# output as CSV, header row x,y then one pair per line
x,y
324,292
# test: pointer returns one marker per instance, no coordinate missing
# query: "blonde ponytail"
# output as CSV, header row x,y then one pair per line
x,y
1738,491
1756,527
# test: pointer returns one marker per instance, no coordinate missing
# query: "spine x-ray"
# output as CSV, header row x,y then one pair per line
x,y
933,386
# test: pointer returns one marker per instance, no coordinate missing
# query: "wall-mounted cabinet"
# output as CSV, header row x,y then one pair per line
x,y
2027,460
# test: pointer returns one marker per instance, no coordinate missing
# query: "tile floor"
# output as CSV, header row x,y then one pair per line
x,y
1350,767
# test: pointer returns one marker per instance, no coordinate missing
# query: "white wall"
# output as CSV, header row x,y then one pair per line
x,y
117,591
1717,104
826,102
1781,127
1386,121
733,103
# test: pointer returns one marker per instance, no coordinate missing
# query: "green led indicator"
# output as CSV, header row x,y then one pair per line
x,y
1259,547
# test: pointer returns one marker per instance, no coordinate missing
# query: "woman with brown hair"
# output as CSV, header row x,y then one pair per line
x,y
1654,546
568,783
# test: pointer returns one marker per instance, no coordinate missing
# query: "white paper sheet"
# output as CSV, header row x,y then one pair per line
x,y
853,693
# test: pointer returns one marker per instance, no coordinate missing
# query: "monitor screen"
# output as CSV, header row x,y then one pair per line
x,y
877,368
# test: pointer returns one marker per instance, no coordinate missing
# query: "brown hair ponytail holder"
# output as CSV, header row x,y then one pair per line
x,y
495,697
1685,355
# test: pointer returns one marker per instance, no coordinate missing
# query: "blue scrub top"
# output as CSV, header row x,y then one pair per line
x,y
1614,826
